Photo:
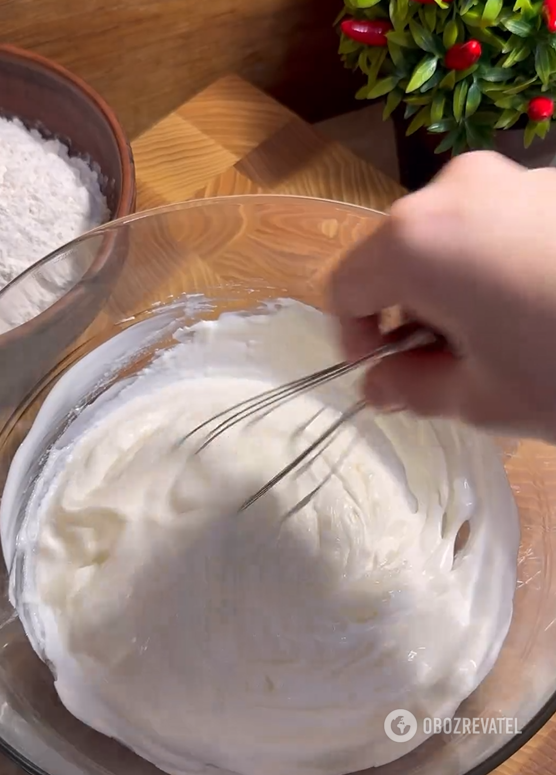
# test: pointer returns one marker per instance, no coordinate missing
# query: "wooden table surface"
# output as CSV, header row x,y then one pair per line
x,y
233,139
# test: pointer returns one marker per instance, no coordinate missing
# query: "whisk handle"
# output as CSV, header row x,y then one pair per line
x,y
409,336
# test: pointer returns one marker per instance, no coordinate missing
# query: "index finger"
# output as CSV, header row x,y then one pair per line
x,y
370,277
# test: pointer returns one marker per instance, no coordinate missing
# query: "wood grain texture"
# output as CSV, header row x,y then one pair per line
x,y
231,138
147,57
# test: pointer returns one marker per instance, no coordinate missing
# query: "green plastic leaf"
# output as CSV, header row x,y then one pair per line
x,y
403,6
542,128
460,144
403,39
419,120
518,54
490,93
418,99
429,14
514,41
398,10
521,85
397,19
425,39
527,9
382,87
472,18
348,46
485,132
363,62
377,57
410,110
437,107
543,64
462,74
491,11
473,101
525,52
511,102
396,54
460,96
529,134
472,141
449,81
432,83
392,101
493,90
450,34
517,26
495,74
370,61
514,120
365,3
477,137
442,17
424,70
440,127
507,119
361,94
466,5
447,142
340,16
488,37
485,118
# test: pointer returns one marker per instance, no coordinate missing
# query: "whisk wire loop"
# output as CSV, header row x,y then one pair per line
x,y
251,406
316,448
267,400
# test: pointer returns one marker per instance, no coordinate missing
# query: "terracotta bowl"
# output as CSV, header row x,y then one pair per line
x,y
48,97
45,96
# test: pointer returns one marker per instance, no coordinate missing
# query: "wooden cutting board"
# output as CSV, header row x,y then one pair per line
x,y
233,139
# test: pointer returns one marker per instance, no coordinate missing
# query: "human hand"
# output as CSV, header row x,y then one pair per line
x,y
472,255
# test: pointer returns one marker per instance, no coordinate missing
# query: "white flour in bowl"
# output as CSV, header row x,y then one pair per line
x,y
47,199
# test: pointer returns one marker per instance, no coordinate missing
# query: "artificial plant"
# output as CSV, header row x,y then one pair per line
x,y
463,68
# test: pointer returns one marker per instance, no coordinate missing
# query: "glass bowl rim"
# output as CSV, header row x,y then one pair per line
x,y
543,715
113,227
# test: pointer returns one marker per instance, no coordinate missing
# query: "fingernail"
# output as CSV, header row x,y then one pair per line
x,y
392,408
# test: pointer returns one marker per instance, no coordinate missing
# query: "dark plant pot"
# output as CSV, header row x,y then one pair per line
x,y
418,163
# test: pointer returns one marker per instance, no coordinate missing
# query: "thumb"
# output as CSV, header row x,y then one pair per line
x,y
427,383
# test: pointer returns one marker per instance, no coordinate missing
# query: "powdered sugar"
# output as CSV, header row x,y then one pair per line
x,y
47,198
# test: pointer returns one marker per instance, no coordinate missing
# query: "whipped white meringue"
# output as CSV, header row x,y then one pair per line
x,y
274,640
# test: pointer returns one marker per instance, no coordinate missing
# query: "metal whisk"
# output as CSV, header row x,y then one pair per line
x,y
408,338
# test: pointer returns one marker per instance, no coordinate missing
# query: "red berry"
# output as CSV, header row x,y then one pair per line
x,y
462,55
549,13
371,33
540,108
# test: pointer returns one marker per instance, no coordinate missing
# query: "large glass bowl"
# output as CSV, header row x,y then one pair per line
x,y
236,252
